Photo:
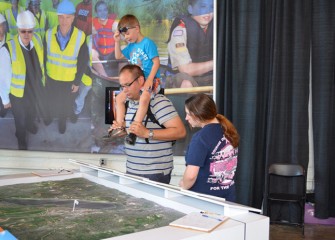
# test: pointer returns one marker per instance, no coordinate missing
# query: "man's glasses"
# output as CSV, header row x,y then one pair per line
x,y
127,85
125,29
26,31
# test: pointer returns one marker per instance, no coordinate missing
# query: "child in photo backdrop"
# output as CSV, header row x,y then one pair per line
x,y
190,47
103,28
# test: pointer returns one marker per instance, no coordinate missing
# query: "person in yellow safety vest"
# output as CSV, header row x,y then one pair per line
x,y
11,16
85,85
3,39
4,5
51,13
22,77
35,7
66,62
24,4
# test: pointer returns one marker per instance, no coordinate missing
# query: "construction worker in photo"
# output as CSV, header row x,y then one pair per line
x,y
4,5
83,16
85,85
11,16
66,61
22,77
3,39
35,7
51,14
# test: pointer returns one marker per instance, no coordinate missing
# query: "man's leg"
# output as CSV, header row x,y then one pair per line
x,y
64,103
18,110
80,101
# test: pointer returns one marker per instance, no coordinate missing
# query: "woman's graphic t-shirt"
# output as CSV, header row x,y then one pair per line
x,y
217,158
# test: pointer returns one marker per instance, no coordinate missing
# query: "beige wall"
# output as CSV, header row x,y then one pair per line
x,y
15,161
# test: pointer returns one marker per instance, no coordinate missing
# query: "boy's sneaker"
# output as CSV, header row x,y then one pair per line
x,y
115,133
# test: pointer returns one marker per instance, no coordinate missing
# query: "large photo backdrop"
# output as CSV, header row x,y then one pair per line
x,y
183,31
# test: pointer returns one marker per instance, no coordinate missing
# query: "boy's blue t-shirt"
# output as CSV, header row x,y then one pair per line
x,y
142,54
217,158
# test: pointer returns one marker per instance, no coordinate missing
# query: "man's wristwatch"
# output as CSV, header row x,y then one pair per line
x,y
151,134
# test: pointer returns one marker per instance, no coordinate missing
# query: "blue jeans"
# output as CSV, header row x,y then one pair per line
x,y
80,99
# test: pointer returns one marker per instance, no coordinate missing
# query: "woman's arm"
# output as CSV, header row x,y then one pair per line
x,y
190,176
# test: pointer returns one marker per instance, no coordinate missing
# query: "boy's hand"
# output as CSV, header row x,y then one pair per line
x,y
117,36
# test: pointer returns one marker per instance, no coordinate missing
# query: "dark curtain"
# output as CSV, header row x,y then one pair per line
x,y
323,111
263,85
241,91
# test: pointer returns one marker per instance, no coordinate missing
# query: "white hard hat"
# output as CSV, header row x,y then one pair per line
x,y
25,20
2,19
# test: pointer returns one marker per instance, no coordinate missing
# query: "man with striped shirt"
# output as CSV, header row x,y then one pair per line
x,y
152,155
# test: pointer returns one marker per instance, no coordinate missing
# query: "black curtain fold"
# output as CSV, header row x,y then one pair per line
x,y
288,120
288,79
269,51
323,105
224,56
240,80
